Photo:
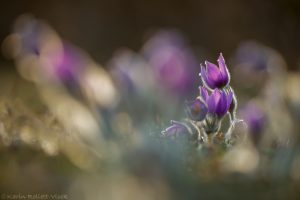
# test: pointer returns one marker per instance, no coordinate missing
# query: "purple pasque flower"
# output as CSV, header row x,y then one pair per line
x,y
197,109
176,129
215,76
218,102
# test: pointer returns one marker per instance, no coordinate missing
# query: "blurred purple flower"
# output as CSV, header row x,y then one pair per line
x,y
131,72
254,64
218,102
214,76
173,62
252,56
196,109
66,63
255,119
176,129
30,36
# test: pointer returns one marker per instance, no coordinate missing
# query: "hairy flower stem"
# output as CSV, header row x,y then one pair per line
x,y
232,118
201,134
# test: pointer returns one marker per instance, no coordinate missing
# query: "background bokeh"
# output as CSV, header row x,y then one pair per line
x,y
87,88
102,26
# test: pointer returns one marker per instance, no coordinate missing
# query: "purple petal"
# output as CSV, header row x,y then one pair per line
x,y
203,93
205,79
221,108
213,71
175,129
172,130
229,99
223,70
213,100
221,63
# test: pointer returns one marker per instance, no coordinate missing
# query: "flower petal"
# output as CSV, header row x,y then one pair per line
x,y
175,129
203,93
222,108
213,100
213,72
221,63
205,79
223,69
229,99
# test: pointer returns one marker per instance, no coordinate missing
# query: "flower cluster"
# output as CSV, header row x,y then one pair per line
x,y
216,99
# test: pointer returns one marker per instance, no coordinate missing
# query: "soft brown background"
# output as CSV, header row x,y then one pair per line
x,y
100,26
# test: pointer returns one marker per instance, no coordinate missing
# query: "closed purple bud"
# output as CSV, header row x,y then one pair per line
x,y
215,76
196,109
176,129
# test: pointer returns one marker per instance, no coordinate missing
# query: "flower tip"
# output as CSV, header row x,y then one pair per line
x,y
202,66
208,64
221,57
